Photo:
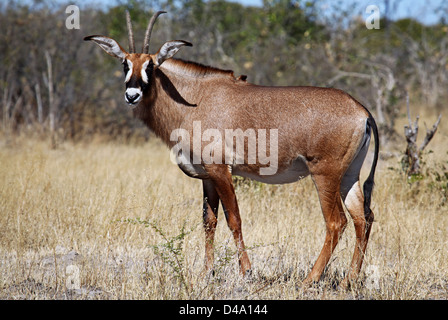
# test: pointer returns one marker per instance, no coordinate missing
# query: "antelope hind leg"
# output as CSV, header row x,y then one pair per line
x,y
335,221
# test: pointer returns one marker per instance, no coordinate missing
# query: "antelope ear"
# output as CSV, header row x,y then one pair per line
x,y
109,45
169,49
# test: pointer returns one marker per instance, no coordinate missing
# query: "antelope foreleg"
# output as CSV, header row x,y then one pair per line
x,y
222,180
210,220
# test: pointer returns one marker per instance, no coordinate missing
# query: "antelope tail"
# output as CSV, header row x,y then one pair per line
x,y
369,183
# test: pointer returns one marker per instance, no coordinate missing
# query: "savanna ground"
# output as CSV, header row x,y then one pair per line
x,y
114,221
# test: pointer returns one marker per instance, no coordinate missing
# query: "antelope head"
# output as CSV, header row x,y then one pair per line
x,y
138,68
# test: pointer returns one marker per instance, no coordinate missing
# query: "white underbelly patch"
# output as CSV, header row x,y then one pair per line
x,y
296,171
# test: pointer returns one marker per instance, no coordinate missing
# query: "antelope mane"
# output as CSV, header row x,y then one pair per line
x,y
196,70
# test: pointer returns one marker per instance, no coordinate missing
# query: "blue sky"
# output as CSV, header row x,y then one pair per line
x,y
425,11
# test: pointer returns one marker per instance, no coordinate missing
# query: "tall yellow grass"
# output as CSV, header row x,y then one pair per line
x,y
129,222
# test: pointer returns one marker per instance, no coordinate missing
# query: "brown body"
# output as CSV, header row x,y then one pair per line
x,y
321,132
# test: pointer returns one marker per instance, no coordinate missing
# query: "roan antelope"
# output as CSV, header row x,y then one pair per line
x,y
322,132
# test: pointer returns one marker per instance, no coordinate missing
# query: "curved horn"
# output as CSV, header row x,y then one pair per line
x,y
149,30
131,34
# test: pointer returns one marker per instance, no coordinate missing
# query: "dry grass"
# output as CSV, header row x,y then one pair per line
x,y
130,223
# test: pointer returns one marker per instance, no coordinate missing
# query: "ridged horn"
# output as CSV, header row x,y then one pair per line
x,y
130,33
149,30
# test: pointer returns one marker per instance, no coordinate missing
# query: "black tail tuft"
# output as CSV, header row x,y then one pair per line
x,y
369,183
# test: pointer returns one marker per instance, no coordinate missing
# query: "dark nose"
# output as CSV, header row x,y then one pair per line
x,y
131,98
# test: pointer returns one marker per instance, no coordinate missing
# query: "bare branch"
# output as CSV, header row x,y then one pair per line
x,y
342,74
51,99
430,134
413,153
40,116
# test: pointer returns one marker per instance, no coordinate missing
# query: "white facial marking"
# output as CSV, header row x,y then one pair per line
x,y
129,74
133,92
144,75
